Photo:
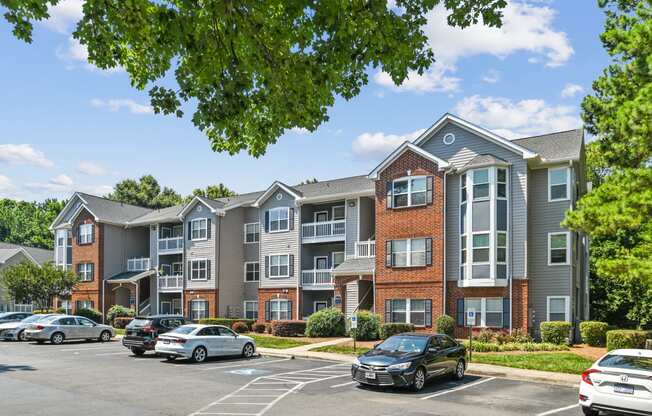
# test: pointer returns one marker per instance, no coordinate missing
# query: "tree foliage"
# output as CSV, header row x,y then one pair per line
x,y
26,282
145,192
27,223
213,192
255,68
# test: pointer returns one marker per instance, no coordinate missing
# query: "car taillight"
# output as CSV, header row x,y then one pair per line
x,y
39,327
180,340
586,376
149,329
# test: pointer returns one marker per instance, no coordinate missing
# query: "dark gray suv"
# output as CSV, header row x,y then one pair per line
x,y
140,334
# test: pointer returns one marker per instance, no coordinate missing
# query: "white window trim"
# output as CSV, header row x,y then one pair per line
x,y
408,310
314,215
269,270
244,308
245,271
196,301
409,180
180,268
408,248
169,231
190,271
271,308
192,226
568,248
314,262
491,175
82,234
245,233
567,307
567,197
163,302
314,304
483,312
333,258
333,212
82,275
269,221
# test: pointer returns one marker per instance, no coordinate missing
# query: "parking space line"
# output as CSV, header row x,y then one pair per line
x,y
245,364
87,349
561,409
462,387
343,384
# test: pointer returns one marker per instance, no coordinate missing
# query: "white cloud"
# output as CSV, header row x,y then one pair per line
x,y
23,154
75,53
379,144
5,183
299,130
64,15
90,168
570,90
491,76
433,80
517,119
62,180
116,104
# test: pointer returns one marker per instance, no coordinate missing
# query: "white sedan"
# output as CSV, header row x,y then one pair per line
x,y
198,342
620,381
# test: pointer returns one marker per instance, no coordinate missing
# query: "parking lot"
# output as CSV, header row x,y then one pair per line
x,y
105,379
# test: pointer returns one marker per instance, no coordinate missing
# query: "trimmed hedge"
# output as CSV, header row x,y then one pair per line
x,y
368,327
121,322
118,311
445,325
227,322
594,333
288,328
478,346
259,328
92,314
387,330
44,311
240,327
328,322
625,338
556,332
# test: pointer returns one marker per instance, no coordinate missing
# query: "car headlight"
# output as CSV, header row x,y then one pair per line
x,y
357,363
401,366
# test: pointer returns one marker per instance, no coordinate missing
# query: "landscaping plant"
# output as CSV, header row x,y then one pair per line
x,y
556,332
92,314
445,325
328,322
625,338
387,330
288,328
121,322
118,311
368,327
240,327
259,328
594,333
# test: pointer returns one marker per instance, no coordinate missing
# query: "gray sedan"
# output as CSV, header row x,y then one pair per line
x,y
56,329
15,331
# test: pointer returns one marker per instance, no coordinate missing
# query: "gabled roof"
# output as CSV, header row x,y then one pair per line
x,y
482,132
130,277
483,160
277,184
104,210
170,214
216,207
553,147
356,266
342,187
38,255
407,146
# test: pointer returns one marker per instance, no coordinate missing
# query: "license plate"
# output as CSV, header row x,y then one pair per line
x,y
165,341
370,375
623,389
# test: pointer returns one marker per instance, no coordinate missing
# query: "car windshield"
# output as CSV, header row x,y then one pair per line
x,y
627,362
182,330
402,343
139,323
33,318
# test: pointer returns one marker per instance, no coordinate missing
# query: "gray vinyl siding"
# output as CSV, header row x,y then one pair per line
x,y
5,302
251,250
201,249
308,210
467,145
351,235
231,253
310,251
308,298
286,242
153,246
121,244
251,290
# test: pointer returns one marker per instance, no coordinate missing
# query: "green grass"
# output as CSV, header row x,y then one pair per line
x,y
265,341
119,331
563,362
342,349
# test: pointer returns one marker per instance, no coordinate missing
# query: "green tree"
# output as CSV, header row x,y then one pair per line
x,y
255,68
26,282
146,192
27,223
213,192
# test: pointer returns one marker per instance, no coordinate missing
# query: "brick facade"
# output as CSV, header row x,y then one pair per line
x,y
267,294
209,295
88,253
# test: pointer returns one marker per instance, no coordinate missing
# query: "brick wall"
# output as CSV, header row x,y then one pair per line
x,y
88,253
276,293
210,295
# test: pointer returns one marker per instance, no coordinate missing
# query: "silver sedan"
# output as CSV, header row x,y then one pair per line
x,y
15,331
57,329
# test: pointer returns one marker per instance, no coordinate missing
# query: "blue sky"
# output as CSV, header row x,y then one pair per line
x,y
67,126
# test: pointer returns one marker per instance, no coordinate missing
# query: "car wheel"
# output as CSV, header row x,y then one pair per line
x,y
57,338
419,379
589,412
21,336
458,374
248,350
105,336
137,351
198,355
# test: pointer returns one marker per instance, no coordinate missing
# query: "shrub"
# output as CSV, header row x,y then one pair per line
x,y
594,333
259,328
625,338
227,322
121,322
288,328
44,311
92,314
60,310
485,335
445,325
556,332
268,328
368,327
240,327
478,346
517,336
328,322
118,311
387,330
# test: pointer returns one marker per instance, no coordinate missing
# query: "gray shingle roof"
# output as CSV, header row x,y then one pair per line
x,y
211,202
483,160
157,216
354,266
110,211
336,186
39,254
563,145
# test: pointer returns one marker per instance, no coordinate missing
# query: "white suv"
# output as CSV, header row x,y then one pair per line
x,y
620,381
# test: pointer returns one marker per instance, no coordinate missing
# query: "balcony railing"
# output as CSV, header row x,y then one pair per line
x,y
323,231
322,278
170,245
138,264
170,282
365,249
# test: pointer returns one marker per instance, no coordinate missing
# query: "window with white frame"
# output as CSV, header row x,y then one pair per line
x,y
198,309
252,271
558,184
177,269
63,252
412,311
85,271
480,184
558,308
85,233
338,258
408,192
279,309
339,212
410,252
279,219
558,248
199,269
199,229
252,233
251,309
279,265
501,255
488,311
84,304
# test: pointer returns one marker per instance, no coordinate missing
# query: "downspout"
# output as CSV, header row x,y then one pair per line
x,y
445,277
297,271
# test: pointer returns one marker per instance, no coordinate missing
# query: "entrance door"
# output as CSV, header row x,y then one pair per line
x,y
320,304
321,263
321,216
166,307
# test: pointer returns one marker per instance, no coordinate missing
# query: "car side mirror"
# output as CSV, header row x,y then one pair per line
x,y
434,349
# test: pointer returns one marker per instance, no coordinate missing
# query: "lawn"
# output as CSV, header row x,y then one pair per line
x,y
342,349
119,331
562,362
268,341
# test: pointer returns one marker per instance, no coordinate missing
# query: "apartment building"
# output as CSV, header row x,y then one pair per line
x,y
11,255
460,219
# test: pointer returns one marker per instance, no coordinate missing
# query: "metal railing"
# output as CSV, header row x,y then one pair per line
x,y
170,282
170,244
365,248
316,277
138,264
323,229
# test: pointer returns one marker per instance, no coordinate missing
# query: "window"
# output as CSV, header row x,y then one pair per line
x,y
409,192
410,253
338,258
339,213
412,311
398,311
84,304
85,322
417,312
198,269
320,216
280,310
488,311
252,233
199,229
558,186
501,183
558,308
318,305
85,234
252,271
480,184
494,312
85,271
279,219
198,309
558,248
177,269
251,309
501,256
480,248
279,265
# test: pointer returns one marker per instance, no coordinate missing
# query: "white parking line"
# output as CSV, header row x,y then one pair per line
x,y
343,384
561,409
88,349
111,353
245,364
462,387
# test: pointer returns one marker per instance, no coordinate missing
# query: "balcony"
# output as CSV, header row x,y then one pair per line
x,y
171,245
325,231
170,283
138,264
317,279
365,249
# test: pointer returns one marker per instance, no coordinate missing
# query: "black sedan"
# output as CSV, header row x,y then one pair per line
x,y
408,360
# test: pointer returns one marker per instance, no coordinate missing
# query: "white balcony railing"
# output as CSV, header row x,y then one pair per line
x,y
324,231
170,245
170,282
316,277
138,264
365,249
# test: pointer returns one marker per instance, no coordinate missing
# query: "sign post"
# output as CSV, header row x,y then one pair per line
x,y
354,325
470,323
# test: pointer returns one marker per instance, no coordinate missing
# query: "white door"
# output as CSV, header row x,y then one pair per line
x,y
321,216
